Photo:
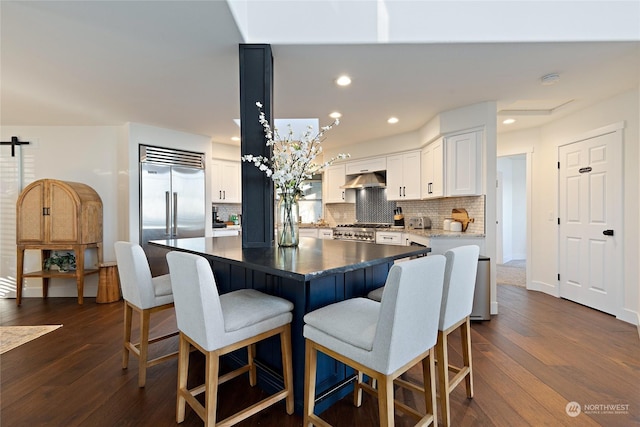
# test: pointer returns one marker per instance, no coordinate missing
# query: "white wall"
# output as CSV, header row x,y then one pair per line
x,y
103,157
544,194
86,154
504,166
378,147
225,151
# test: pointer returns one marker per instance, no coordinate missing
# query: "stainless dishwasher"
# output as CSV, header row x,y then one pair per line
x,y
482,295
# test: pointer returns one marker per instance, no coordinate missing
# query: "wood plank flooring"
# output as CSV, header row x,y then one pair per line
x,y
537,355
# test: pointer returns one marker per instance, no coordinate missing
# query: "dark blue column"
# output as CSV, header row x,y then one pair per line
x,y
256,85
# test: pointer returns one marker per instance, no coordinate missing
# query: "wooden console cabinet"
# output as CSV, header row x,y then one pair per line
x,y
53,215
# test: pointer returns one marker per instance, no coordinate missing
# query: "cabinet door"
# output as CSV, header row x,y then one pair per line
x,y
63,215
395,177
367,165
325,233
389,238
432,170
411,176
437,189
225,181
463,165
335,177
216,181
231,182
30,215
403,176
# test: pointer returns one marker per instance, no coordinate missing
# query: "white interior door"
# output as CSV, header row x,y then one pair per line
x,y
590,199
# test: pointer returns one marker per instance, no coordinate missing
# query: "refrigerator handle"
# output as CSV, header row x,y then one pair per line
x,y
175,215
167,214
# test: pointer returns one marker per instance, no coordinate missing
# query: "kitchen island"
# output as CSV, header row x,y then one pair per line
x,y
316,273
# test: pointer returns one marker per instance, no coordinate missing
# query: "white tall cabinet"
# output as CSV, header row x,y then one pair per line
x,y
403,176
226,181
432,166
463,164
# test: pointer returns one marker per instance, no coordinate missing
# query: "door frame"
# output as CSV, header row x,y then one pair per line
x,y
528,152
616,128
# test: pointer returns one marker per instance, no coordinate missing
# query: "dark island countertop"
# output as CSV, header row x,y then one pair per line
x,y
312,259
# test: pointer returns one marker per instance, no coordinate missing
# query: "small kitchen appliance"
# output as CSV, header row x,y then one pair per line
x,y
418,223
398,218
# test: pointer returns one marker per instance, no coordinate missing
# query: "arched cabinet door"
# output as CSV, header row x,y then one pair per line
x,y
30,214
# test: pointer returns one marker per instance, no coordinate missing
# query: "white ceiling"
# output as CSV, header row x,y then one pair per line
x,y
174,64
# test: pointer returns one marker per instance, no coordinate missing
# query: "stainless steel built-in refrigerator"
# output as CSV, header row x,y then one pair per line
x,y
172,194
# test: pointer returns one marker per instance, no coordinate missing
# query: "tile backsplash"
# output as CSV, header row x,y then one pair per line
x,y
372,206
439,209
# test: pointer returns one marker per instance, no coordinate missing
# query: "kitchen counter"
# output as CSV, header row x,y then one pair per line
x,y
432,232
316,273
442,233
311,225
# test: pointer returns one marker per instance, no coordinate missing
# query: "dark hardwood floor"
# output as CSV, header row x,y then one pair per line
x,y
537,355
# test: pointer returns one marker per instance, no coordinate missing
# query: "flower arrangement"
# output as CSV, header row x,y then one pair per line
x,y
292,162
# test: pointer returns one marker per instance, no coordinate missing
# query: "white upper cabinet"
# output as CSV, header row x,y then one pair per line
x,y
433,170
357,167
463,164
226,181
334,178
403,176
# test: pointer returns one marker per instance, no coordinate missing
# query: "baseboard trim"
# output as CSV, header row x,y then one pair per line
x,y
494,307
544,288
629,316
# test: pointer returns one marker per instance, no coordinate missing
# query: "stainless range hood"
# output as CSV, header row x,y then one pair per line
x,y
366,180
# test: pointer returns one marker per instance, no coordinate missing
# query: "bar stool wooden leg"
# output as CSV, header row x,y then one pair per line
x,y
429,381
183,371
128,314
443,377
211,388
385,401
145,318
311,359
287,365
465,332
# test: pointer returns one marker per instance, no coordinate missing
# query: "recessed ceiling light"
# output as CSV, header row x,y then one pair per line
x,y
335,115
508,121
235,138
392,120
343,80
550,79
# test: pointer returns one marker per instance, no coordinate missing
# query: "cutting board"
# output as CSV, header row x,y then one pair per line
x,y
462,215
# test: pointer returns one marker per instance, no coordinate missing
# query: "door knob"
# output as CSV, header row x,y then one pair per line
x,y
608,232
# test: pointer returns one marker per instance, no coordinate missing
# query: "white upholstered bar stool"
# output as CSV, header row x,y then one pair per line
x,y
219,324
381,340
145,295
457,303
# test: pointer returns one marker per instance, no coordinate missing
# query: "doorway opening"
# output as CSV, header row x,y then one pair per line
x,y
512,220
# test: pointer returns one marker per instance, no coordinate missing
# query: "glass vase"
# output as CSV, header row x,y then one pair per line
x,y
288,215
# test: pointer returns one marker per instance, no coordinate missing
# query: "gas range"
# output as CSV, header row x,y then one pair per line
x,y
360,232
